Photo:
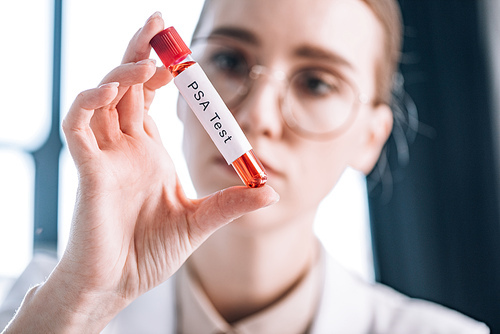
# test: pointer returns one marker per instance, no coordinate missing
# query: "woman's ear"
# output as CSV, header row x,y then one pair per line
x,y
379,127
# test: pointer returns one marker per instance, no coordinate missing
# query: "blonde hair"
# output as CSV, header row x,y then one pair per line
x,y
388,14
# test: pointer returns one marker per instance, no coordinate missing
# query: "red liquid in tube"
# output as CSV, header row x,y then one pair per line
x,y
201,97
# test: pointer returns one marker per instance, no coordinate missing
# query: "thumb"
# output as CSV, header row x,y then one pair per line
x,y
227,205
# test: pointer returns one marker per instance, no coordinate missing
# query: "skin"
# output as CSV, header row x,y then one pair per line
x,y
132,230
251,263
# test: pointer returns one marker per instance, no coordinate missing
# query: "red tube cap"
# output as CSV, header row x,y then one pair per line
x,y
169,46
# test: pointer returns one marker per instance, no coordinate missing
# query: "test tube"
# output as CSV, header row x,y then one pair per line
x,y
207,105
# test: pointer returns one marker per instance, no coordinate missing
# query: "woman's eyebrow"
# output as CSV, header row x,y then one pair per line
x,y
237,33
317,53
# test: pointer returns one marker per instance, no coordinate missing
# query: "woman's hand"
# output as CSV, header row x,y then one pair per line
x,y
133,227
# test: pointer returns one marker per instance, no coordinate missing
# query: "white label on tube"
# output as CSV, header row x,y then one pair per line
x,y
212,112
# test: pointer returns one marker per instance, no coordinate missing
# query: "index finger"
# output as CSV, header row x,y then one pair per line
x,y
138,47
76,124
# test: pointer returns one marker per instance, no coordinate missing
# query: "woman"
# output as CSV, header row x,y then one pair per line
x,y
265,272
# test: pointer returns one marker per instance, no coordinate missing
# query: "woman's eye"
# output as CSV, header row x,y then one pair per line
x,y
317,84
318,87
230,63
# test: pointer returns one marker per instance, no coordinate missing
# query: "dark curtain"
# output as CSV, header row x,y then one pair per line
x,y
436,229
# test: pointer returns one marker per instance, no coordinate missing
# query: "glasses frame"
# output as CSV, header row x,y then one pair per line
x,y
257,71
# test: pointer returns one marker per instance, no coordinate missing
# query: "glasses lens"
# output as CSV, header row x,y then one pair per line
x,y
226,66
319,103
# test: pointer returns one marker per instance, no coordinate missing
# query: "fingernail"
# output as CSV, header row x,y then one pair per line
x,y
110,84
146,61
155,15
275,200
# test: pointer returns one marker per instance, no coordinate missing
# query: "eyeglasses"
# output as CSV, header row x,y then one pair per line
x,y
314,102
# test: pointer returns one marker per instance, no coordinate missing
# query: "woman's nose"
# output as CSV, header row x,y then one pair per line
x,y
259,114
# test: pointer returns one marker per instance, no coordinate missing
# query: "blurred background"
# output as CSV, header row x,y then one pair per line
x,y
430,228
62,48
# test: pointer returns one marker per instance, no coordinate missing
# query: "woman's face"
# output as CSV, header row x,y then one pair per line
x,y
337,36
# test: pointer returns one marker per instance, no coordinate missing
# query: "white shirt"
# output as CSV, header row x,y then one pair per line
x,y
292,313
348,305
